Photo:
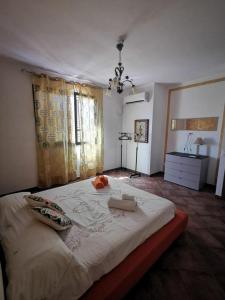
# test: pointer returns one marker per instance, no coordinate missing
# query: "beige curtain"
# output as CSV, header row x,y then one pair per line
x,y
55,131
54,120
91,134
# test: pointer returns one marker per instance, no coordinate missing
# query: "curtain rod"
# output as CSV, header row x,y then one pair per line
x,y
47,70
51,78
57,78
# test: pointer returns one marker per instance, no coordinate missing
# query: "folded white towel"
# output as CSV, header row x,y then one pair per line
x,y
122,204
128,197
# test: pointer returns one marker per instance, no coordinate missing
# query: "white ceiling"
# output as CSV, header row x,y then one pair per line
x,y
167,40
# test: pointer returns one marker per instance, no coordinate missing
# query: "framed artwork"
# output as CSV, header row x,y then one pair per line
x,y
141,130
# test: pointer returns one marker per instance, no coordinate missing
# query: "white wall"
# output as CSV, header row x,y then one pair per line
x,y
150,155
18,169
112,114
221,170
158,127
201,101
132,112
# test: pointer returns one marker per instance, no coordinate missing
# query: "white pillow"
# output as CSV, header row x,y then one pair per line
x,y
52,218
11,198
10,206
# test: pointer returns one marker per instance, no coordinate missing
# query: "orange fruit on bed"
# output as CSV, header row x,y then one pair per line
x,y
104,180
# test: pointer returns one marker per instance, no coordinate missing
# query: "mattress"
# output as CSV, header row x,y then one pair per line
x,y
101,237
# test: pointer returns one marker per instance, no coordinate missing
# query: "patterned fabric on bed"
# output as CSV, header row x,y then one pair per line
x,y
39,201
52,218
101,237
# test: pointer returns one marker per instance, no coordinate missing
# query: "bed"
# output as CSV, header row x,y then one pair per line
x,y
104,248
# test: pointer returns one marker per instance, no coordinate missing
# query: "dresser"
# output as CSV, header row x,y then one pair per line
x,y
186,169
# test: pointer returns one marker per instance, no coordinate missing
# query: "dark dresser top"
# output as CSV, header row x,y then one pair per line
x,y
189,155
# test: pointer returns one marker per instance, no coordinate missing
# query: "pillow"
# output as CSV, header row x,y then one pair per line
x,y
39,201
52,218
8,199
9,204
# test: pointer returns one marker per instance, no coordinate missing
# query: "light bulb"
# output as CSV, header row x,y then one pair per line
x,y
108,92
114,82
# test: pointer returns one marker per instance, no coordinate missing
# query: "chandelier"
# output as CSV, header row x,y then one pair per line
x,y
118,82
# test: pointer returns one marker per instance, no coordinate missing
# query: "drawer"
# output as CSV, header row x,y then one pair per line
x,y
183,174
182,181
169,165
171,178
184,160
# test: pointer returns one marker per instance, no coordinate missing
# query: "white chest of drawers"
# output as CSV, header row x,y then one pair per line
x,y
185,170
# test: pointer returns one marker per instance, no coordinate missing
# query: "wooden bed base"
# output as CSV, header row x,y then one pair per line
x,y
120,280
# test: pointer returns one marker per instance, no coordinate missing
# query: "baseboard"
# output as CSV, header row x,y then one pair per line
x,y
126,170
114,169
160,173
157,174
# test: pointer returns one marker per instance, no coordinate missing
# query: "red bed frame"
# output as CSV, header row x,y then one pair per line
x,y
120,280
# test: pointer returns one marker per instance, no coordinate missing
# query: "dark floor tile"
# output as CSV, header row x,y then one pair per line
x,y
221,280
202,286
218,234
159,284
213,222
184,258
196,222
215,257
205,239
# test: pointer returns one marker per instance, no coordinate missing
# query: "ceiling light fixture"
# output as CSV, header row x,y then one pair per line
x,y
118,82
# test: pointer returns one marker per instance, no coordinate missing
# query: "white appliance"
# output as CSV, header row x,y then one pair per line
x,y
140,97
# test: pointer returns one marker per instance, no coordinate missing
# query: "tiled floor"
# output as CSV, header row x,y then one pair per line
x,y
194,266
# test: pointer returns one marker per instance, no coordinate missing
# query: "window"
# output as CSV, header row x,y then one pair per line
x,y
84,114
77,114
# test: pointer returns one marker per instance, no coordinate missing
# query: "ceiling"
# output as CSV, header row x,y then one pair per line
x,y
167,41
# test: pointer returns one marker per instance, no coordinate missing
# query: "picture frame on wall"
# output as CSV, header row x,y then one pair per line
x,y
141,128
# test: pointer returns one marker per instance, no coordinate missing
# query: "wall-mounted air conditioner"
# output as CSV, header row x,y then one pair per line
x,y
140,97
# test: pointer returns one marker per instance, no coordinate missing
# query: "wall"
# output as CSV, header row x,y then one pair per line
x,y
158,127
112,112
131,112
18,169
201,101
150,155
221,170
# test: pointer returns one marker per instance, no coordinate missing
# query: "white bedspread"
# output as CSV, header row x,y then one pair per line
x,y
43,264
101,237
